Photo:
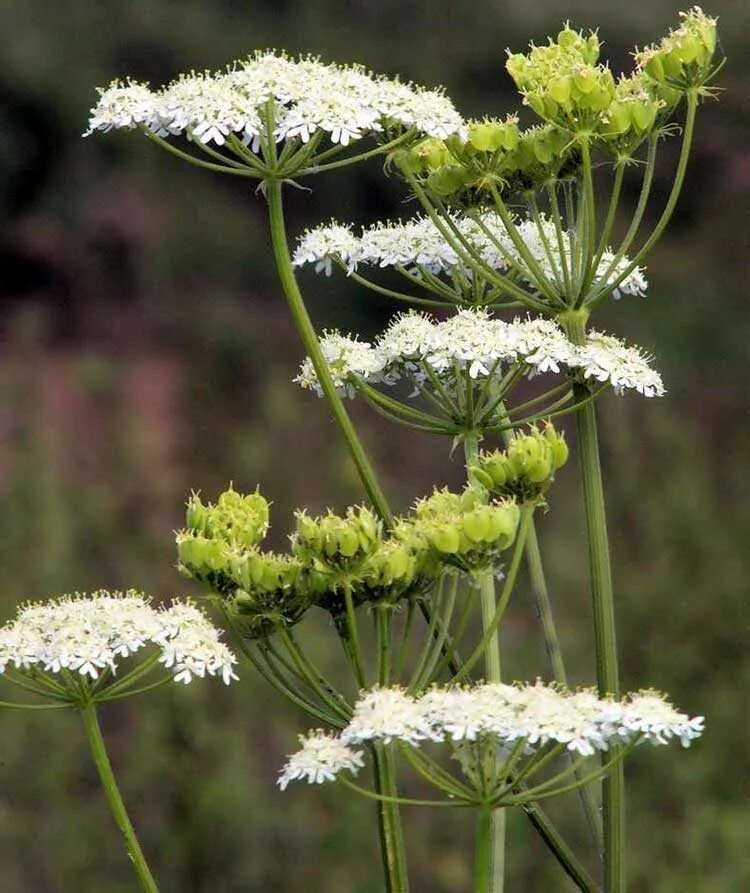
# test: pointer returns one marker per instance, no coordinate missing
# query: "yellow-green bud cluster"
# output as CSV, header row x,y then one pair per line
x,y
526,469
494,152
335,555
332,542
461,529
269,592
351,552
684,58
219,548
636,108
563,83
235,519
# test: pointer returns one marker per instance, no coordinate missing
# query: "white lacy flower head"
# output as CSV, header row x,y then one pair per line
x,y
471,340
418,244
324,245
539,714
651,715
475,342
86,634
533,716
346,357
386,714
343,102
320,759
606,358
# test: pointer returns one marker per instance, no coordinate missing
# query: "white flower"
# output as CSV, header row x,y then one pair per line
x,y
539,714
320,759
415,346
192,646
86,634
123,106
386,714
418,243
308,96
650,714
323,245
346,357
535,716
606,358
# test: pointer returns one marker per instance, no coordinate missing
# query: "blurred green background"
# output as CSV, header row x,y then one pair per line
x,y
145,350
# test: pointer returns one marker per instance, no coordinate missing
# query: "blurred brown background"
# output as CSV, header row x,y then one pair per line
x,y
145,350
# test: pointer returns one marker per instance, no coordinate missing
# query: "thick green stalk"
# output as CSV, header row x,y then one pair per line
x,y
483,870
114,798
310,341
604,615
496,817
394,851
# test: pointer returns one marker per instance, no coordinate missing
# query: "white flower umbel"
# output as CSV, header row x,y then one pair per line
x,y
606,358
342,102
347,357
320,759
418,245
474,342
538,716
85,635
649,714
387,714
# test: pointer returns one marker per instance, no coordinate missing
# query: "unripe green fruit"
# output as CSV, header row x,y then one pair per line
x,y
568,38
448,179
585,81
644,115
482,476
536,102
446,540
655,68
477,525
689,49
560,89
672,64
504,525
348,542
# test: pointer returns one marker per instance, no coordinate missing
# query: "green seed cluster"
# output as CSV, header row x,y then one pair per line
x,y
220,548
333,557
462,530
684,58
578,98
563,82
526,469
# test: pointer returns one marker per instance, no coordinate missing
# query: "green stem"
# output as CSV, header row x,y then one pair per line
x,y
495,819
389,816
604,616
558,846
687,140
310,341
392,831
114,798
483,867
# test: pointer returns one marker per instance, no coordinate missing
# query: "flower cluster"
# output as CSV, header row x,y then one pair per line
x,y
606,358
87,634
417,245
320,759
538,715
416,345
273,92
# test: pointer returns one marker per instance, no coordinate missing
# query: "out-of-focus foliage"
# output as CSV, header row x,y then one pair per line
x,y
145,350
